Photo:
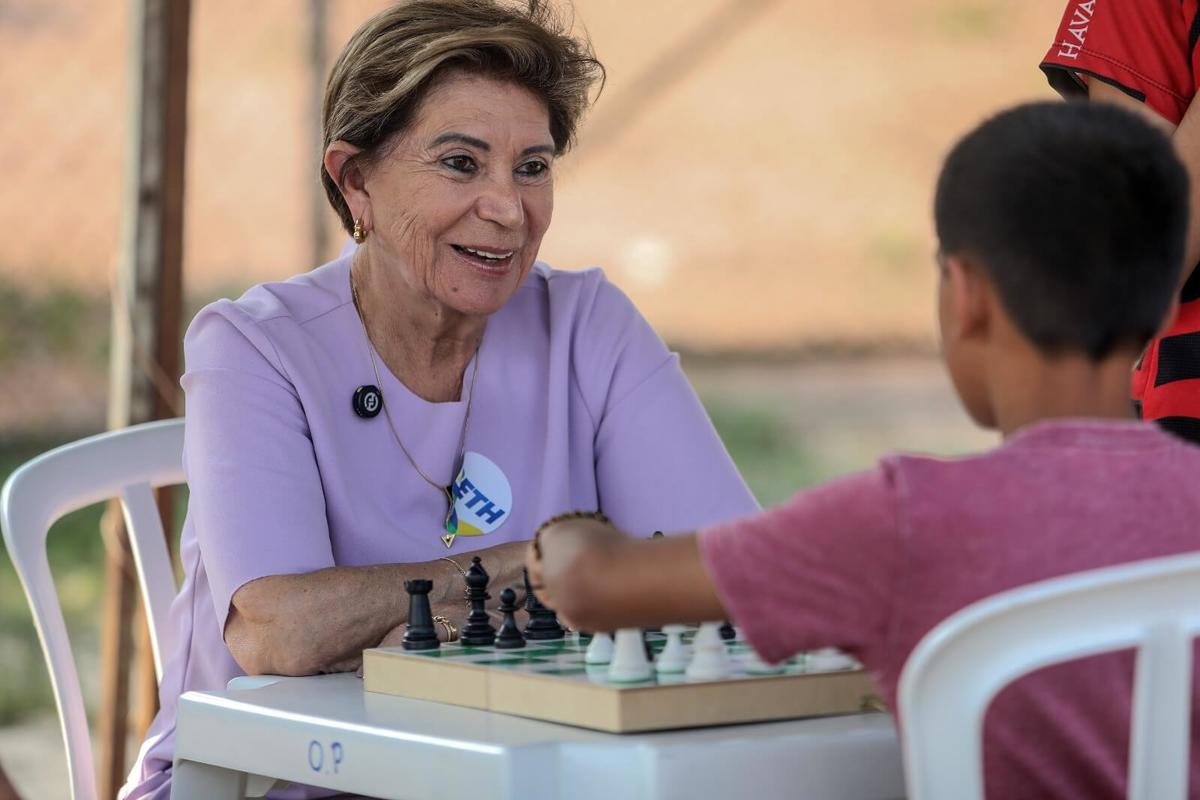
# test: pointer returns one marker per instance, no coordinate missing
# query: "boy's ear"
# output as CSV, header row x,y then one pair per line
x,y
970,295
347,174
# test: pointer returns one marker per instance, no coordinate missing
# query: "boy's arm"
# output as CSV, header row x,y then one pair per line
x,y
817,571
598,579
1187,144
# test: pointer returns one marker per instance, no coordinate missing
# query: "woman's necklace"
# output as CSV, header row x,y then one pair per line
x,y
450,525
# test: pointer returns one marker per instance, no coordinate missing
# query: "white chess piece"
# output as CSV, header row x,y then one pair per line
x,y
674,657
754,664
599,650
710,659
629,662
829,659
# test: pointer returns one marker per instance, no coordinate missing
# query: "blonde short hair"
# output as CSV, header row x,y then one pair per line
x,y
395,58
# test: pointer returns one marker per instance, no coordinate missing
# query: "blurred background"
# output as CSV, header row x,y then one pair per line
x,y
757,175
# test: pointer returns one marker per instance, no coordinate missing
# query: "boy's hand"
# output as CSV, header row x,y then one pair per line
x,y
566,554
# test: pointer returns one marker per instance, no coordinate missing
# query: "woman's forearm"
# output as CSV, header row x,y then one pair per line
x,y
321,621
304,624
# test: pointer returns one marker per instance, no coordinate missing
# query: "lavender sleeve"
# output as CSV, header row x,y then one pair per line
x,y
256,494
659,462
818,571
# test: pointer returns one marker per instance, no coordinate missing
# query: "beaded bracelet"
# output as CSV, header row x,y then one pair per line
x,y
593,515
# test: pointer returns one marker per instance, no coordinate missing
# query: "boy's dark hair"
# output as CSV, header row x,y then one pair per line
x,y
1078,213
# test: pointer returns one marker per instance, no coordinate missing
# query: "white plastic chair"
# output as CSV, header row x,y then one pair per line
x,y
127,464
960,666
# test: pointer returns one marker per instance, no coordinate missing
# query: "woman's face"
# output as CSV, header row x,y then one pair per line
x,y
457,208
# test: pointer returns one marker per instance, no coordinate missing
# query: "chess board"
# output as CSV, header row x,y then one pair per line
x,y
550,681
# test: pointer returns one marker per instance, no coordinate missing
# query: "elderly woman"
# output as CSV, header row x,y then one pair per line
x,y
432,395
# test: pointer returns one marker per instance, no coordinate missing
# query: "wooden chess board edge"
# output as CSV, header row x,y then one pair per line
x,y
766,699
435,679
616,709
585,705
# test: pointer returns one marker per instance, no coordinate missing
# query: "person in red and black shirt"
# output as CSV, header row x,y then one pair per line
x,y
1143,54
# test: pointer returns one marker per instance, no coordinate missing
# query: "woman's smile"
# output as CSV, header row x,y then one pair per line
x,y
494,262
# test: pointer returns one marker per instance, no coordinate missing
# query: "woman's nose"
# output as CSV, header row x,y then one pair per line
x,y
500,202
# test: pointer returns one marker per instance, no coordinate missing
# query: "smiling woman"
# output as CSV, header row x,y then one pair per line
x,y
356,426
479,156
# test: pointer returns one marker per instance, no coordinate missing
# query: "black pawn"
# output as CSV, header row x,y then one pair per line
x,y
479,631
509,637
419,634
543,622
728,633
653,537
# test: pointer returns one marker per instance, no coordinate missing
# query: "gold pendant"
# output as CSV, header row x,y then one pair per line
x,y
450,525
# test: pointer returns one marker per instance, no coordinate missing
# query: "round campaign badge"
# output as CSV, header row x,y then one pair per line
x,y
368,400
482,496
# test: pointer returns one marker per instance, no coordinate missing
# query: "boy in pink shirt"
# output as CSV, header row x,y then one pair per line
x,y
1061,233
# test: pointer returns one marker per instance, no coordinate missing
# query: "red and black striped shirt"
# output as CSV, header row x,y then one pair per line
x,y
1147,49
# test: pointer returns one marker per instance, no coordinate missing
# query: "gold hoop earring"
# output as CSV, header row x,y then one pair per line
x,y
358,233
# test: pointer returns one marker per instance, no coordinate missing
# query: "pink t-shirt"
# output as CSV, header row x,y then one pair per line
x,y
872,562
577,405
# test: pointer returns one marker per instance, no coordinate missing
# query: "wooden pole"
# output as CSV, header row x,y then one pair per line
x,y
145,366
317,56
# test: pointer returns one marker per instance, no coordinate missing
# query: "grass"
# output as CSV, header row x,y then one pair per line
x,y
59,321
970,19
769,455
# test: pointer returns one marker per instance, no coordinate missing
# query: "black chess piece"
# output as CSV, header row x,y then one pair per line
x,y
479,631
653,537
509,637
543,622
419,634
728,632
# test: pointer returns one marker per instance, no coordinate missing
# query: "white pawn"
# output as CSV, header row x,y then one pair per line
x,y
629,662
830,659
674,657
754,665
710,659
599,650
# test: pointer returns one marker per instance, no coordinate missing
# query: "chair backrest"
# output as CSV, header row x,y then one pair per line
x,y
126,464
959,667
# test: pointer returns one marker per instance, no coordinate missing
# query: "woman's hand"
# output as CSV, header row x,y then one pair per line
x,y
456,613
505,564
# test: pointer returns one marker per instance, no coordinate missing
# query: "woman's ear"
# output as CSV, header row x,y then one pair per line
x,y
347,174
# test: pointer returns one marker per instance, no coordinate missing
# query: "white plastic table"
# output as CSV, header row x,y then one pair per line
x,y
326,731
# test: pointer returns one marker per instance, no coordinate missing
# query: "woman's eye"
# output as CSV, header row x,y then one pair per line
x,y
460,163
533,169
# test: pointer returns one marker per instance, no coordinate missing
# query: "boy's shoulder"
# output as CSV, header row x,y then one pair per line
x,y
1047,462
